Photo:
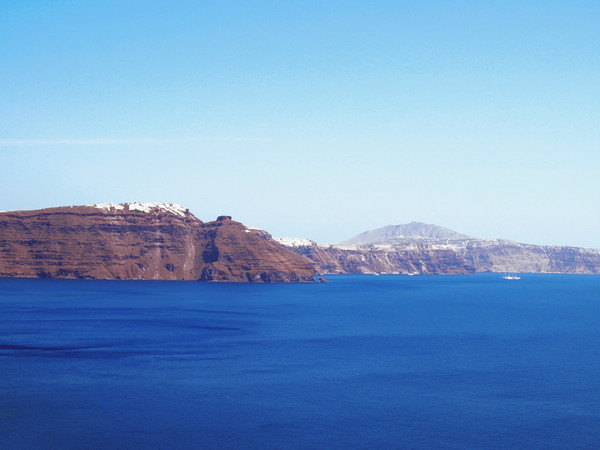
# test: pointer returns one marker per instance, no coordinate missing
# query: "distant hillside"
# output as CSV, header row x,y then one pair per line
x,y
393,233
418,248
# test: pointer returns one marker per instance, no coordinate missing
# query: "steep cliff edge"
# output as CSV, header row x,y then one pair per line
x,y
148,241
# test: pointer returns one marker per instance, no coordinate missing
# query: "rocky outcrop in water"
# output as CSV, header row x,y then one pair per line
x,y
142,241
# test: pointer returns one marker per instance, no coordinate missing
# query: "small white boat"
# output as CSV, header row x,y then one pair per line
x,y
511,277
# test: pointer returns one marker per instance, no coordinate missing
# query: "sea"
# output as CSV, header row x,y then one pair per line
x,y
363,361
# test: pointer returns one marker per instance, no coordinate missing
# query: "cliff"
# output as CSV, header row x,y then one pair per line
x,y
142,241
158,241
392,250
335,259
496,255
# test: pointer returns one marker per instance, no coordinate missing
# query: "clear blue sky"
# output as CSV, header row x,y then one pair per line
x,y
310,119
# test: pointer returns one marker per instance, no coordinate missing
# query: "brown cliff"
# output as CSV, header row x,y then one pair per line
x,y
141,241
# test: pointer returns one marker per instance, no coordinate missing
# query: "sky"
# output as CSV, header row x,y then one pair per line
x,y
314,119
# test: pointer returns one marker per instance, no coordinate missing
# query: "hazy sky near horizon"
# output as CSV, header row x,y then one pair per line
x,y
316,119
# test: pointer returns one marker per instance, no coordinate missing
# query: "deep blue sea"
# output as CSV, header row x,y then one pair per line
x,y
360,362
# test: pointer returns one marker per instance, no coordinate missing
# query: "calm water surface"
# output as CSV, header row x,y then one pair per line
x,y
378,362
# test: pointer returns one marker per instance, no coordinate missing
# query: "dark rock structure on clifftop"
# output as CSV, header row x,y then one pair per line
x,y
141,241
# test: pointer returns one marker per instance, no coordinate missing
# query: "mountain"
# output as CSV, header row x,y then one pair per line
x,y
147,241
413,230
418,248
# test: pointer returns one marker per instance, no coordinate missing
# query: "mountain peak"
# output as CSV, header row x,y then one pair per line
x,y
409,231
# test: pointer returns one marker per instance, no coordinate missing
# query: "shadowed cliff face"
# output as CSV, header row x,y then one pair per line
x,y
149,243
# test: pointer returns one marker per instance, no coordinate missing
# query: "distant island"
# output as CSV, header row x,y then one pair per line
x,y
419,248
164,241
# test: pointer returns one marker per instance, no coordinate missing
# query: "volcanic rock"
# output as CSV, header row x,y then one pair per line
x,y
142,241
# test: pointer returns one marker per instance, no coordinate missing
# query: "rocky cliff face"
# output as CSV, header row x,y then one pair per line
x,y
447,256
506,256
372,259
141,241
155,241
